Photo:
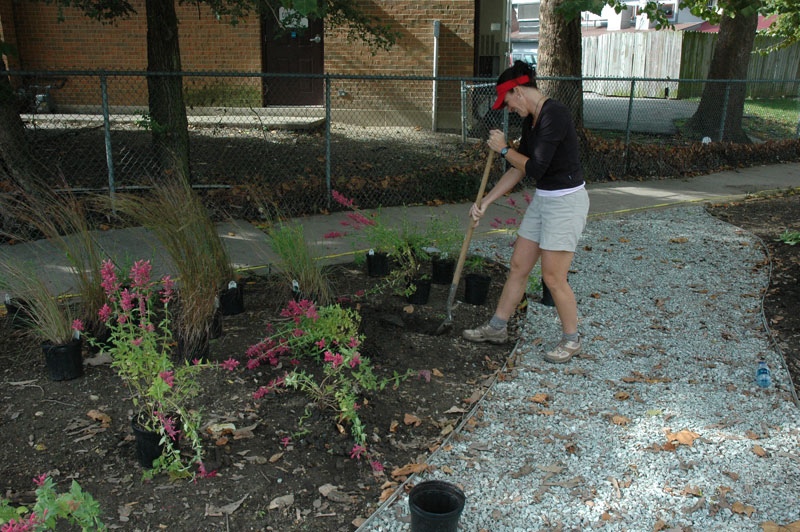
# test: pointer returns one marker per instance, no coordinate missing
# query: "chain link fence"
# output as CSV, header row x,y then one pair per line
x,y
382,140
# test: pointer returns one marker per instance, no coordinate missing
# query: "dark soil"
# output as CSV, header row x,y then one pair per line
x,y
768,218
46,425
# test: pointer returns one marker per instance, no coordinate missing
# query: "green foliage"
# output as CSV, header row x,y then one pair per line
x,y
444,233
476,264
789,237
76,507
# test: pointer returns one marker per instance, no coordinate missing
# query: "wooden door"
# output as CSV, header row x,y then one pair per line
x,y
297,51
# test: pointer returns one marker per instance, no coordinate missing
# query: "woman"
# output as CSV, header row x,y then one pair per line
x,y
548,152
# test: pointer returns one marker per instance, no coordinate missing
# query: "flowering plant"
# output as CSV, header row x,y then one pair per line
x,y
512,224
330,337
140,354
77,506
406,245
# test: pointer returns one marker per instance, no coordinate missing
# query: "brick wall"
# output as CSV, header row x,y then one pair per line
x,y
80,43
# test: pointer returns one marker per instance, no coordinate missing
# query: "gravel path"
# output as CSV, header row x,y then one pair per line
x,y
660,425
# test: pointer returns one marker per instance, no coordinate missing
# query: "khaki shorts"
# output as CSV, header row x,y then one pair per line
x,y
556,223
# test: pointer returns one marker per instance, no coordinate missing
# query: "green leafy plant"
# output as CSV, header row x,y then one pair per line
x,y
789,237
140,355
49,320
444,233
476,264
297,262
76,506
181,223
328,336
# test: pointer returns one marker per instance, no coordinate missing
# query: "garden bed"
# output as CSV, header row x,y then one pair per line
x,y
269,476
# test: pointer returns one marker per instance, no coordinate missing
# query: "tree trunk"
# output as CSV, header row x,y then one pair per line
x,y
730,60
17,163
560,55
169,126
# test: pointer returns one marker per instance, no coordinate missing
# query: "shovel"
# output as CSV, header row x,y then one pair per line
x,y
448,322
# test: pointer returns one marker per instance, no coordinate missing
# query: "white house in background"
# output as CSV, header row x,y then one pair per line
x,y
525,23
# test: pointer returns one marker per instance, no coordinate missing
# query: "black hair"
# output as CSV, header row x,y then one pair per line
x,y
519,68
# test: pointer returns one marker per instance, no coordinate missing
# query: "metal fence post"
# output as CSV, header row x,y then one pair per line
x,y
797,129
628,127
107,130
724,110
328,137
463,111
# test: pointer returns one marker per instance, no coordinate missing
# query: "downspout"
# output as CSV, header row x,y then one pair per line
x,y
434,107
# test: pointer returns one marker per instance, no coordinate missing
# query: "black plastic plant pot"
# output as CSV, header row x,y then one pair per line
x,y
476,288
547,297
422,292
443,270
231,300
377,264
64,362
18,314
148,444
435,506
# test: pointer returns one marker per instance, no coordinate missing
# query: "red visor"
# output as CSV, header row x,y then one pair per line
x,y
506,86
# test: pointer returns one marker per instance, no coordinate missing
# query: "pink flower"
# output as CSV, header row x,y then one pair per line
x,y
425,374
140,273
511,221
126,300
320,344
511,201
77,325
376,466
354,342
357,450
342,200
202,473
137,342
261,392
25,525
495,225
169,425
285,441
337,360
109,283
168,377
360,293
196,361
355,361
149,327
327,356
297,333
294,362
104,313
230,364
167,291
528,198
122,318
335,234
39,481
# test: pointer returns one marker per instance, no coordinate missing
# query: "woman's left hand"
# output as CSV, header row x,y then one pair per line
x,y
497,140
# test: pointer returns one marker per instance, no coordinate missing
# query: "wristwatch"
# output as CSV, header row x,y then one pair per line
x,y
503,152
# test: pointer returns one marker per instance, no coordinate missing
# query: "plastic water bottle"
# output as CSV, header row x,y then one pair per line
x,y
762,375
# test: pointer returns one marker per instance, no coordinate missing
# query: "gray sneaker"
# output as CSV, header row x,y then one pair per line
x,y
564,351
486,333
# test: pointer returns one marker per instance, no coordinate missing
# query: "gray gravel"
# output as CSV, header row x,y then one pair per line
x,y
669,307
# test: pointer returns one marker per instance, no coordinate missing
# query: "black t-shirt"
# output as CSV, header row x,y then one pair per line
x,y
552,148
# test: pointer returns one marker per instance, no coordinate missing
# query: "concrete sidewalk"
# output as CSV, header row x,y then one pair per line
x,y
249,251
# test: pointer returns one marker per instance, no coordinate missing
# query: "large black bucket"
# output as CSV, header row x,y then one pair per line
x,y
377,264
435,506
422,292
547,298
443,270
231,300
64,361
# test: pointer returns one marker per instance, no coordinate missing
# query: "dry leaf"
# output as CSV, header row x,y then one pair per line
x,y
408,309
281,502
448,470
684,437
385,494
771,526
358,521
218,429
621,396
409,469
539,398
275,457
96,415
410,419
740,508
692,490
393,426
620,420
759,450
455,410
437,373
679,240
213,511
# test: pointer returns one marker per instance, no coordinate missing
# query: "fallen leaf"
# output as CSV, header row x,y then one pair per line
x,y
281,502
409,469
393,426
455,410
408,309
437,373
218,429
96,415
759,450
621,396
410,419
539,398
358,521
620,420
213,511
385,494
684,437
740,508
679,240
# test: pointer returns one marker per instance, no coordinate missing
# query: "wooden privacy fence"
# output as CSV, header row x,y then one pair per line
x,y
681,55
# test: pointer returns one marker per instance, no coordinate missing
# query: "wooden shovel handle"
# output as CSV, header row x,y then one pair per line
x,y
472,223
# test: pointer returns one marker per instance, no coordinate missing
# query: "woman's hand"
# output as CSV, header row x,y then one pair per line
x,y
476,213
497,140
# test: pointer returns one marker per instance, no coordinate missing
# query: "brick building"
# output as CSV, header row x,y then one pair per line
x,y
78,43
